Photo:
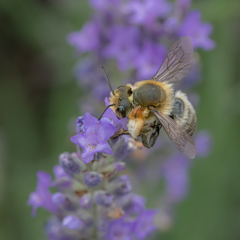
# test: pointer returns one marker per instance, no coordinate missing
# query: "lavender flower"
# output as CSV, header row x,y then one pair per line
x,y
86,201
84,204
203,143
175,173
120,230
81,39
146,12
93,201
72,222
42,196
199,32
144,224
95,137
70,163
92,179
104,198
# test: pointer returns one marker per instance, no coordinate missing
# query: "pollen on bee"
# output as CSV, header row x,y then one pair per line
x,y
135,126
135,122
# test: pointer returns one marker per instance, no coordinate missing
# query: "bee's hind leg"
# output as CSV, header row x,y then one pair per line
x,y
149,135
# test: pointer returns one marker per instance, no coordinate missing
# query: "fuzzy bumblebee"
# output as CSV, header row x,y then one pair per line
x,y
153,104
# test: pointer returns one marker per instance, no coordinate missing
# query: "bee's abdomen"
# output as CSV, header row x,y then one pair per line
x,y
190,124
149,94
184,114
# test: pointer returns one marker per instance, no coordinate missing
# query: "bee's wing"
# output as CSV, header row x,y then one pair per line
x,y
177,63
179,137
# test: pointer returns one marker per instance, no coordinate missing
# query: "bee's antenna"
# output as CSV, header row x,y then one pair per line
x,y
105,110
109,84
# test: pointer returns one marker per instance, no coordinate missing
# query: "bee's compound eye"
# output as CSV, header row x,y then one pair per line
x,y
121,109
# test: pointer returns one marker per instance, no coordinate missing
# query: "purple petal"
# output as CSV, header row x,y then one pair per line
x,y
79,139
86,39
44,178
106,130
90,124
59,172
87,155
42,197
198,31
144,224
104,148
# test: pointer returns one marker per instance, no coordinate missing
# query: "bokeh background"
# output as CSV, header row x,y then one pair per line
x,y
39,96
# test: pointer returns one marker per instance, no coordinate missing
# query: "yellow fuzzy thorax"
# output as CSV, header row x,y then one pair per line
x,y
166,105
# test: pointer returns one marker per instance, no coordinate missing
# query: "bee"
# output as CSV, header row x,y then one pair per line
x,y
152,104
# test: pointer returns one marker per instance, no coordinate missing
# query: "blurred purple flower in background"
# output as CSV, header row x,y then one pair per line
x,y
199,32
42,197
93,201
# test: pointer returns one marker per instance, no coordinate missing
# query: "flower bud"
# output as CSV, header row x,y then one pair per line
x,y
92,179
72,222
63,201
59,199
71,164
80,125
86,201
103,198
114,167
121,185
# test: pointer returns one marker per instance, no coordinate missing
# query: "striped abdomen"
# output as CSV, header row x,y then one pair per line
x,y
184,114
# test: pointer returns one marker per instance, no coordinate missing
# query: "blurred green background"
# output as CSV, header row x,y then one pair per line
x,y
39,95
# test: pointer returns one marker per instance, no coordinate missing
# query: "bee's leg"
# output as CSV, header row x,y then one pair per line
x,y
119,133
150,134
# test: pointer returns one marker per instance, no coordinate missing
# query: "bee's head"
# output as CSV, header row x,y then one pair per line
x,y
120,99
123,104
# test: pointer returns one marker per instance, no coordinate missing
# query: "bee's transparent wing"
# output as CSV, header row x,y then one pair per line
x,y
179,137
177,63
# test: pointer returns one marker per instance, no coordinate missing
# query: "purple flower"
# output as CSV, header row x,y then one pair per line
x,y
72,222
203,143
120,230
54,229
95,137
123,45
92,179
144,224
104,4
86,201
149,59
118,123
42,197
198,31
86,39
119,166
132,203
175,173
122,185
147,12
63,201
59,199
70,163
62,179
59,172
103,198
